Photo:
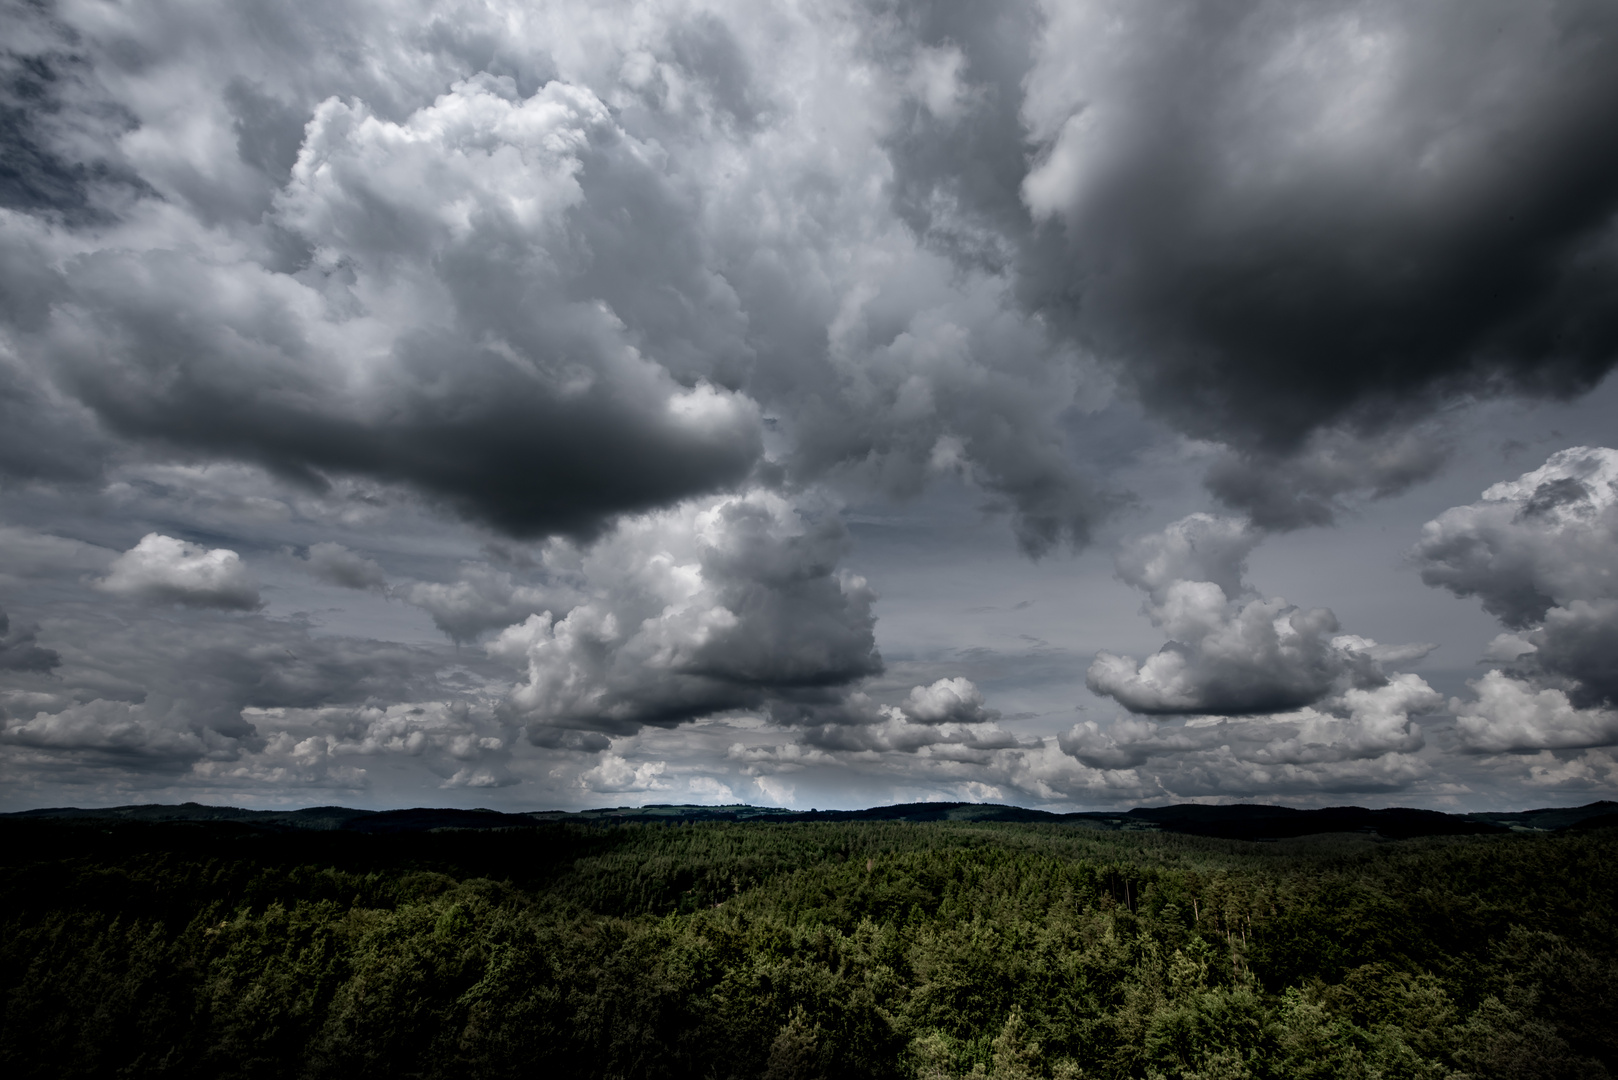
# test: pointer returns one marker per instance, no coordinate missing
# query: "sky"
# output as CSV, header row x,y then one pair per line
x,y
571,403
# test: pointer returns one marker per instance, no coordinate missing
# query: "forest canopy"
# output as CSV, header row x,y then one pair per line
x,y
802,949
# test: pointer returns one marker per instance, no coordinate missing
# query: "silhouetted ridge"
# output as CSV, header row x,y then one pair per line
x,y
1245,821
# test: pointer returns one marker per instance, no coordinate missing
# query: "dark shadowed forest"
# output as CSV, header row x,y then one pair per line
x,y
802,949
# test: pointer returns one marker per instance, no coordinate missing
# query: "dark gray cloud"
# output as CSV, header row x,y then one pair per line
x,y
1314,482
960,151
1285,222
1289,216
333,563
433,340
52,115
19,651
1291,229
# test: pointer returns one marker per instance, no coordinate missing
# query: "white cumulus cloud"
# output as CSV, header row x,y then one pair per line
x,y
1231,652
162,569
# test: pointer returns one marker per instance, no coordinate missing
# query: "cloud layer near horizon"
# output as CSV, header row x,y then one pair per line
x,y
541,347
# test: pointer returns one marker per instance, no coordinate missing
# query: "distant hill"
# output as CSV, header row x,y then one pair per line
x,y
1237,822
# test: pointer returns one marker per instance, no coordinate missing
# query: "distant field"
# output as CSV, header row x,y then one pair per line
x,y
671,947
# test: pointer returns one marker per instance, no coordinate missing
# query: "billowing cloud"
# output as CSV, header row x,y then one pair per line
x,y
553,265
1231,652
1511,714
542,285
342,366
1367,741
718,604
1544,540
161,569
1541,553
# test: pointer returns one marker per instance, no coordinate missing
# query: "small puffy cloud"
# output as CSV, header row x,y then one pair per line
x,y
480,778
1231,651
945,720
614,775
1234,659
459,741
1123,743
453,729
935,79
161,569
977,791
1374,722
336,565
1199,547
948,701
775,790
1505,648
709,789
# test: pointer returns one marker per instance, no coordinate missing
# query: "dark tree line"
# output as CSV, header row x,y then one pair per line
x,y
803,950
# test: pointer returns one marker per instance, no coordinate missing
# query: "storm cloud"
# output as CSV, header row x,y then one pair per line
x,y
548,402
542,289
1289,227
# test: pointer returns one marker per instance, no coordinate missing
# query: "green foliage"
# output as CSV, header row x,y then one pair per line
x,y
806,951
